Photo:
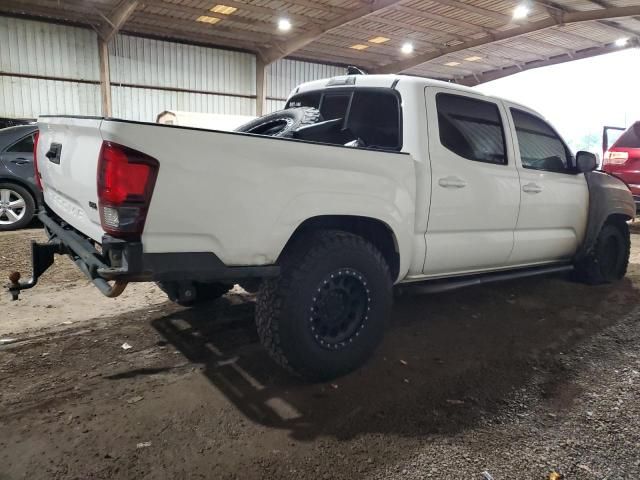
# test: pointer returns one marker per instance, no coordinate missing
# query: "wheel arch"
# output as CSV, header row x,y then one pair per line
x,y
379,233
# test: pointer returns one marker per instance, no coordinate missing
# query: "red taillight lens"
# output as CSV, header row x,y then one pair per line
x,y
35,160
126,179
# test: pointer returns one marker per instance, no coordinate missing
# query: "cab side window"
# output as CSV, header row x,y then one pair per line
x,y
23,146
471,128
540,146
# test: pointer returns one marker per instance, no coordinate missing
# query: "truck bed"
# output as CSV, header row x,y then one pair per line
x,y
236,195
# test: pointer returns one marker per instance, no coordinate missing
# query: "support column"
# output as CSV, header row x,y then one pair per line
x,y
261,86
105,78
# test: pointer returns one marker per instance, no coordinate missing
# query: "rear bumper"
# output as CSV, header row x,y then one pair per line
x,y
125,261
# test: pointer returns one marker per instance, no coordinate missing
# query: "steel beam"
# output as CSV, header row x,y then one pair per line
x,y
283,49
569,17
118,17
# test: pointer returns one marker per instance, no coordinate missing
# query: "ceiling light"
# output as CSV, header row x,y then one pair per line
x,y
475,58
223,9
359,46
520,12
452,64
379,39
407,48
284,25
207,19
621,42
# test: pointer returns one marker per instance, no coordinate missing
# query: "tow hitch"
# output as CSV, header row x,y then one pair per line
x,y
42,255
41,259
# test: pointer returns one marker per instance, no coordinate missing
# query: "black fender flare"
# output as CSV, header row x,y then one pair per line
x,y
608,196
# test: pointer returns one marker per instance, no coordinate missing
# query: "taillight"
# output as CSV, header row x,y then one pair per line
x,y
612,157
126,179
36,170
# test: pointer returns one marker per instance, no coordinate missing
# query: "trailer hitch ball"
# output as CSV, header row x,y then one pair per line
x,y
14,285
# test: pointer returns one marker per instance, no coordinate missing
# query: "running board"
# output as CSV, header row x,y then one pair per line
x,y
438,286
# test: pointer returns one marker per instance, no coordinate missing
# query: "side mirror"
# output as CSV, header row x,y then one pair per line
x,y
586,162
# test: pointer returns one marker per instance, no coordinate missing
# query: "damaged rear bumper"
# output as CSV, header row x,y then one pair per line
x,y
122,261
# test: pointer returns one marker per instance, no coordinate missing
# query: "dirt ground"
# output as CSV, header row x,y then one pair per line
x,y
517,379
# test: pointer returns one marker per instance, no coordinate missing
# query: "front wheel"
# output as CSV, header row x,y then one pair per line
x,y
325,315
610,257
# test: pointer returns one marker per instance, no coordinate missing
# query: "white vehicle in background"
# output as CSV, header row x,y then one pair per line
x,y
207,121
362,182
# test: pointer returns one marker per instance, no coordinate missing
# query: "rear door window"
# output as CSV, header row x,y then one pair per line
x,y
471,128
22,146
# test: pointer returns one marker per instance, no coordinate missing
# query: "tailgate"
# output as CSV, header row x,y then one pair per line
x,y
68,150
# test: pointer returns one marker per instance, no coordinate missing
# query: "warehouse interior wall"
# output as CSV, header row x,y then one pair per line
x,y
48,68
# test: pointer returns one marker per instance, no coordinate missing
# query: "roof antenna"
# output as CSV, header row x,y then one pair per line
x,y
351,70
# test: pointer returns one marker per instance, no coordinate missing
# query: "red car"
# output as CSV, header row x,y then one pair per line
x,y
622,159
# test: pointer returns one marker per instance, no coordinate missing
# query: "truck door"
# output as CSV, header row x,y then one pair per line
x,y
475,186
555,198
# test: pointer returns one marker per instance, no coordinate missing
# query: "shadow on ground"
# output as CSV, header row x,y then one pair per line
x,y
447,361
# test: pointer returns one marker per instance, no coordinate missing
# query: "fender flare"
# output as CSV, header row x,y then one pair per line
x,y
608,196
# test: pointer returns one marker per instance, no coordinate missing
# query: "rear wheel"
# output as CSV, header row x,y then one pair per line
x,y
17,207
191,293
325,314
610,257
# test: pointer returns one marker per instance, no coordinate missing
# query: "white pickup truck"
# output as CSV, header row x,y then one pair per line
x,y
362,182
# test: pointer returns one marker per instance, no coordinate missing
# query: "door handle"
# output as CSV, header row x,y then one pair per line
x,y
452,182
20,161
531,188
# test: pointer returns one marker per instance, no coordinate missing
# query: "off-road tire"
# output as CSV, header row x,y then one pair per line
x,y
29,208
282,123
287,304
610,256
205,292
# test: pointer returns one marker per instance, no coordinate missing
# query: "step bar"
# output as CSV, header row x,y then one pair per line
x,y
439,286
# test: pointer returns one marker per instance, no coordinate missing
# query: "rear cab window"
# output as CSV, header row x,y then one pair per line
x,y
357,117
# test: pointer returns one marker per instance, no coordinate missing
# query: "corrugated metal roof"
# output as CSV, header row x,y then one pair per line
x,y
431,25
